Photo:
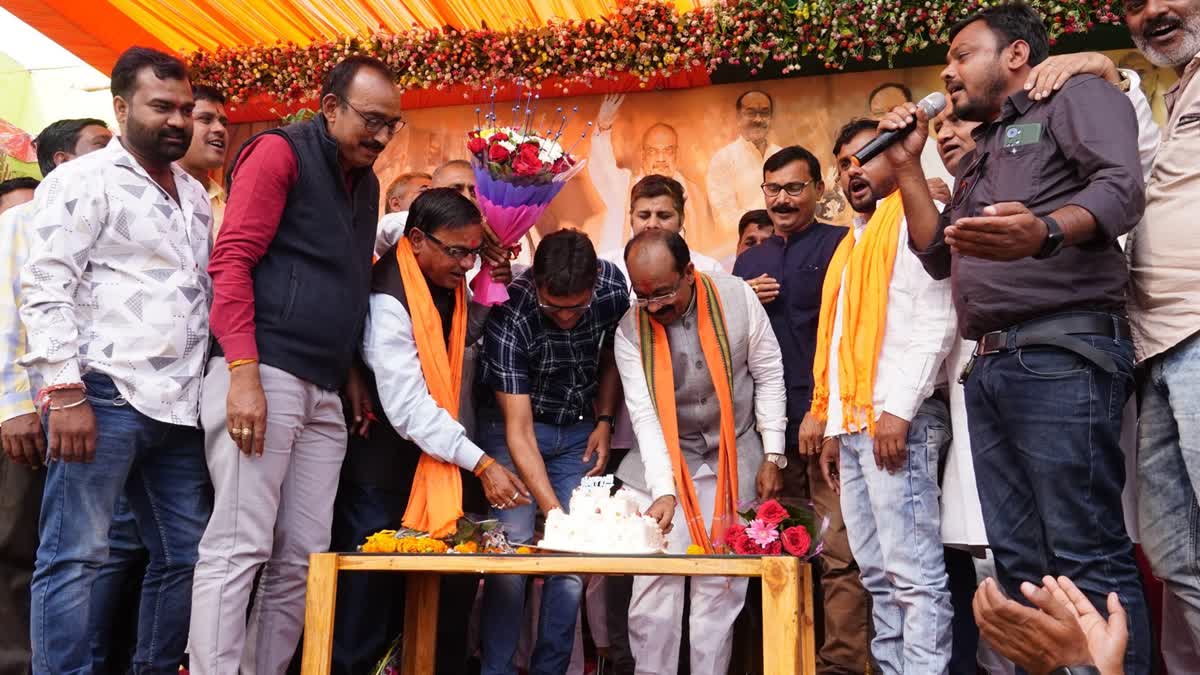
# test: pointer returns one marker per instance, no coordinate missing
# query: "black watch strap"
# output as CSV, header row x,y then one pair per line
x,y
612,421
1054,239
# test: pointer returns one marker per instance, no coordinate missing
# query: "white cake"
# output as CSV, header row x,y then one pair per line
x,y
601,522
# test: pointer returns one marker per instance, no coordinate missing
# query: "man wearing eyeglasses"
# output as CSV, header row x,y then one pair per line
x,y
734,168
550,388
415,300
728,412
291,278
788,271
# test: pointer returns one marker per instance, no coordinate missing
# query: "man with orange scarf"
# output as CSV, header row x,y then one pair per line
x,y
412,468
885,329
703,381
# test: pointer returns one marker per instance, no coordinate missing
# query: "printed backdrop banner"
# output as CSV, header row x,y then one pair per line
x,y
694,135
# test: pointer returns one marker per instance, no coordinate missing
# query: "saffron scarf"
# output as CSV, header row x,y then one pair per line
x,y
868,276
435,503
656,363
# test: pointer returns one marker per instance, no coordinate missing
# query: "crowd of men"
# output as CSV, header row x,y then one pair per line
x,y
186,417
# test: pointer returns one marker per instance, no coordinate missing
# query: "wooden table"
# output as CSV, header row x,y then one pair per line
x,y
788,642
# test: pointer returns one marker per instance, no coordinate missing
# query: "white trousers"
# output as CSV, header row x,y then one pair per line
x,y
656,608
270,511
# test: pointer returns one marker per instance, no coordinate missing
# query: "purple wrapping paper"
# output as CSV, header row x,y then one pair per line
x,y
510,210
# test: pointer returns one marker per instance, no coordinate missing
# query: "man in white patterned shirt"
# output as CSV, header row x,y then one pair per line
x,y
20,427
115,305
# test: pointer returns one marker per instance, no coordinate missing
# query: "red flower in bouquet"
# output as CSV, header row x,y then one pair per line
x,y
498,153
772,512
476,145
560,165
736,540
497,137
773,548
527,162
796,540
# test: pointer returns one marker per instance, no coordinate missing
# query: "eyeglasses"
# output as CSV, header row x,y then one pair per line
x,y
375,122
573,309
660,299
793,189
456,252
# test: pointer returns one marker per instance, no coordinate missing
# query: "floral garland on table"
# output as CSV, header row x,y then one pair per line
x,y
646,39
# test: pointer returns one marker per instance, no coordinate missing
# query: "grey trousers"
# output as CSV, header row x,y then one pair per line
x,y
270,511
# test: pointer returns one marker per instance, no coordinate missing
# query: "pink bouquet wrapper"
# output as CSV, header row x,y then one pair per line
x,y
510,223
511,209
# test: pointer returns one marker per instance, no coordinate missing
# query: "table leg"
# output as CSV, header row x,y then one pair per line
x,y
320,603
787,618
420,623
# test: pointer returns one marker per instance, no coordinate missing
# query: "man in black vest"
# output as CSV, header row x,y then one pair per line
x,y
291,276
445,234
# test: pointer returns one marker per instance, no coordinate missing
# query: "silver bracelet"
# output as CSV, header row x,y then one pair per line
x,y
76,404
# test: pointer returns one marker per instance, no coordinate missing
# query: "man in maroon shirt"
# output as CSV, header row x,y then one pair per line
x,y
291,277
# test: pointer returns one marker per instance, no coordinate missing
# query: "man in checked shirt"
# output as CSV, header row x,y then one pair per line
x,y
548,358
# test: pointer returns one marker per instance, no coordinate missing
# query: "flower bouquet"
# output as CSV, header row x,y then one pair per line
x,y
517,174
470,536
774,528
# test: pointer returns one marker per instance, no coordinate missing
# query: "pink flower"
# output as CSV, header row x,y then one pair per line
x,y
772,512
796,540
762,533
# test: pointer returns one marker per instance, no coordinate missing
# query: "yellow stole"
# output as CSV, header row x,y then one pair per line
x,y
868,276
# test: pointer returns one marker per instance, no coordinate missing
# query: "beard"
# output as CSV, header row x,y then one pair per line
x,y
978,108
154,143
1186,48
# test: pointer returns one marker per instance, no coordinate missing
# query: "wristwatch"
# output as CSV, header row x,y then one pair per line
x,y
1076,670
612,421
777,459
1054,239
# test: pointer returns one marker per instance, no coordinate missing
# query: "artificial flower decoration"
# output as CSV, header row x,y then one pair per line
x,y
647,39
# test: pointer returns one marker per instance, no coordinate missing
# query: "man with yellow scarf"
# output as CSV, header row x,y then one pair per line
x,y
884,330
703,381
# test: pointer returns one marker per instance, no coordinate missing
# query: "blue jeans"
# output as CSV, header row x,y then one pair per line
x,y
1045,430
893,522
1169,473
161,469
115,594
562,449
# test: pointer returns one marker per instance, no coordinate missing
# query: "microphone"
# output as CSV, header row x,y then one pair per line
x,y
932,104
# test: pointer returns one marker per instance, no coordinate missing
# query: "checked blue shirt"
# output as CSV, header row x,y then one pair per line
x,y
524,352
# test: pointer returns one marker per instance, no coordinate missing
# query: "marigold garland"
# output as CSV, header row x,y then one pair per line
x,y
646,39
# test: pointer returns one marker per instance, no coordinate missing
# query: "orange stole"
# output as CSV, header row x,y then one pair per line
x,y
435,503
656,362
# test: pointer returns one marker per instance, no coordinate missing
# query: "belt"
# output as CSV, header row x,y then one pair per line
x,y
1057,331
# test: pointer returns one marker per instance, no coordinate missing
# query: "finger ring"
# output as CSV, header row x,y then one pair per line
x,y
514,497
236,432
245,432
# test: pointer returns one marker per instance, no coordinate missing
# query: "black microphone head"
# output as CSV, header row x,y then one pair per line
x,y
933,104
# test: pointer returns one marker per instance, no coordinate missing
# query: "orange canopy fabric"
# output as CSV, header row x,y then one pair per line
x,y
99,31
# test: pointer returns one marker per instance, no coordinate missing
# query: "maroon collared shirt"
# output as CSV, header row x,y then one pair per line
x,y
1078,147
